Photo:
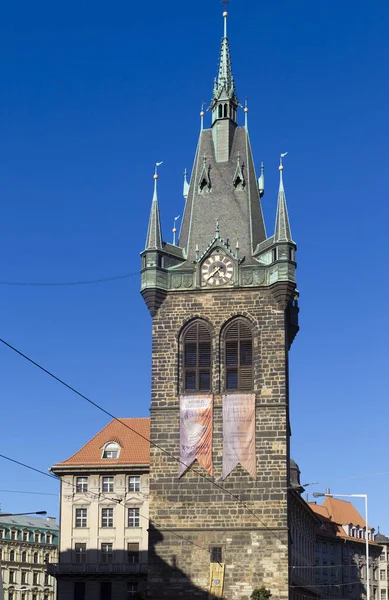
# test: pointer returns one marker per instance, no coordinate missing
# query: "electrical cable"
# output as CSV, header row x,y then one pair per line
x,y
106,412
66,283
25,492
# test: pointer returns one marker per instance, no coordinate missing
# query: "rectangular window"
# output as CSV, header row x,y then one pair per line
x,y
133,553
1,534
107,517
134,484
105,590
382,574
134,517
82,484
34,597
24,579
106,553
132,589
37,537
48,538
12,577
81,517
216,554
382,557
23,596
13,535
35,578
383,595
46,579
80,551
108,484
79,590
11,596
25,536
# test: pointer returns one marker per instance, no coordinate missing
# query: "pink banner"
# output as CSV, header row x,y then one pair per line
x,y
196,432
239,433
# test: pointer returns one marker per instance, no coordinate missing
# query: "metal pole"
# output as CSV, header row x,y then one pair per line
x,y
367,553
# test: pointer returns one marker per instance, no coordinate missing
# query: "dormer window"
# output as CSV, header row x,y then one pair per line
x,y
111,450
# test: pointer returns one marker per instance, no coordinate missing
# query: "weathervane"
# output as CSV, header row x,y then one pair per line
x,y
282,156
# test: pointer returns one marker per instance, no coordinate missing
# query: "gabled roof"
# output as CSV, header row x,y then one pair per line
x,y
343,513
134,448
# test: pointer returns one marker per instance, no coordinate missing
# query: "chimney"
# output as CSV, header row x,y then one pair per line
x,y
51,519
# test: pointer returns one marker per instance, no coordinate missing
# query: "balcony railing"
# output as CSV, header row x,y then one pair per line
x,y
57,569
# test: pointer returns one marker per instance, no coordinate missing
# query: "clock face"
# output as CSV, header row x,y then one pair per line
x,y
217,270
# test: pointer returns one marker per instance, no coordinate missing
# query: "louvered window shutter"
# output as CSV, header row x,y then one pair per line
x,y
239,357
197,358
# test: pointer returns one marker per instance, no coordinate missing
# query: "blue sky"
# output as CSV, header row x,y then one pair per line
x,y
91,96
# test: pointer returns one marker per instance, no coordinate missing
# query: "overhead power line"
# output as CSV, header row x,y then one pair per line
x,y
26,492
167,453
66,283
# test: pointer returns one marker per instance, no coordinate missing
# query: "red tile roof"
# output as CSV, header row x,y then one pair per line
x,y
332,512
134,448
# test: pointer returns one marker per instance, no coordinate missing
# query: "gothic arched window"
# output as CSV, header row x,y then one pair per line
x,y
238,356
220,111
197,358
225,110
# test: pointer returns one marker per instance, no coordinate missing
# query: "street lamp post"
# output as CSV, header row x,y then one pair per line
x,y
364,496
39,512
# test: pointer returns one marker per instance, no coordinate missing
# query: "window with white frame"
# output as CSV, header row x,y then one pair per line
x,y
2,535
24,579
80,552
81,517
24,556
383,595
26,536
111,450
81,484
12,556
37,537
132,589
108,484
133,553
134,517
12,576
35,558
134,483
382,574
35,578
106,553
14,534
48,538
107,517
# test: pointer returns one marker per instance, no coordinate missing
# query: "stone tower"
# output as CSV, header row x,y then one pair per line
x,y
224,309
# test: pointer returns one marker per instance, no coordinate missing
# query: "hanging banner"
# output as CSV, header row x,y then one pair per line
x,y
196,432
239,433
216,579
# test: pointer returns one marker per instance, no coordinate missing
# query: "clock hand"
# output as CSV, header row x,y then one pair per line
x,y
214,273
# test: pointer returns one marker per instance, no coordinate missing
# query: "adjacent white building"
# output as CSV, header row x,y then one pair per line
x,y
104,515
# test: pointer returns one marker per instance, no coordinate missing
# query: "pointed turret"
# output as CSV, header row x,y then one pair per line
x,y
224,103
154,233
224,82
282,231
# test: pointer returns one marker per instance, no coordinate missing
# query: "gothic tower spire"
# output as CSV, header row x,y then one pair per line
x,y
154,232
224,102
282,230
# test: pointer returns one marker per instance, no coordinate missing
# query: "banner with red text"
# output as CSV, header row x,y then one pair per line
x,y
196,432
239,433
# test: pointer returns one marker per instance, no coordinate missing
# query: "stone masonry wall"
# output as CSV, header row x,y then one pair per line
x,y
254,537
